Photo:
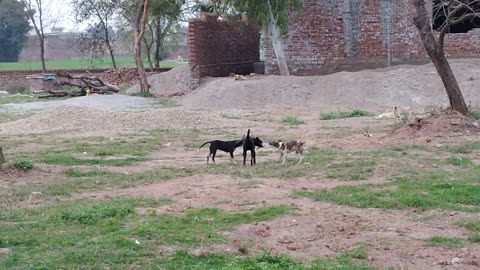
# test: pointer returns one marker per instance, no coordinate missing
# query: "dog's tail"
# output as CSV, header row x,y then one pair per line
x,y
204,144
248,133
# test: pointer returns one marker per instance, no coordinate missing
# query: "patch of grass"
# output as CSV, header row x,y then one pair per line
x,y
474,238
182,260
66,234
459,161
78,181
448,242
352,170
92,173
465,148
17,99
23,165
228,116
471,224
82,64
341,115
143,94
292,120
433,191
68,160
474,114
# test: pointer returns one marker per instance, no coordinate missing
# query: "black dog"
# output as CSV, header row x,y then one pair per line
x,y
226,146
249,144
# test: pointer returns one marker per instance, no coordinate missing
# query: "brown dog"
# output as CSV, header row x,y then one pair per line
x,y
296,147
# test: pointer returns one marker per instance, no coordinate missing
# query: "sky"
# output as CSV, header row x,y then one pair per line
x,y
66,16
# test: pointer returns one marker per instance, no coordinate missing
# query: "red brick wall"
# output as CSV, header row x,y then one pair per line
x,y
217,48
330,36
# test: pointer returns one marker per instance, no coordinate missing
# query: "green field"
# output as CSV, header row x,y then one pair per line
x,y
83,64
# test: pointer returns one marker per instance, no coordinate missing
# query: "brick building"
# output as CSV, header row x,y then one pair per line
x,y
335,35
218,47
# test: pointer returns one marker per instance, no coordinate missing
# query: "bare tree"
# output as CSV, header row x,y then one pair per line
x,y
455,12
36,10
102,11
139,30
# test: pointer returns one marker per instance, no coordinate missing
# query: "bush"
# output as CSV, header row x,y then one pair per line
x,y
23,164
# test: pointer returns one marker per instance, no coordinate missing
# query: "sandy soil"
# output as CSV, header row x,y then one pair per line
x,y
416,87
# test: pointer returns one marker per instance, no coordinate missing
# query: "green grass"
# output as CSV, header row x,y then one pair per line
x,y
82,64
465,148
459,161
352,170
68,160
81,181
474,238
93,173
471,224
341,115
95,235
184,261
23,164
432,191
17,99
292,120
475,115
448,242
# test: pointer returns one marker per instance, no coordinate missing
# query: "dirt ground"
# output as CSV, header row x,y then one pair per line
x,y
394,238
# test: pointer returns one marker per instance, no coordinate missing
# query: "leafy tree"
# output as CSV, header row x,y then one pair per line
x,y
271,15
93,41
164,15
14,28
103,12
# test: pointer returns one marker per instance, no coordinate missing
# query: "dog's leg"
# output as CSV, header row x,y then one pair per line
x,y
254,159
208,157
244,157
231,158
281,157
301,159
284,158
213,156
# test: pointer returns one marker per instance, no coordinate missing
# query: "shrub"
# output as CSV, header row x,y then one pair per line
x,y
23,164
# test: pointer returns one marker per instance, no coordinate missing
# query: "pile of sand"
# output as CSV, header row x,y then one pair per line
x,y
373,90
446,123
174,81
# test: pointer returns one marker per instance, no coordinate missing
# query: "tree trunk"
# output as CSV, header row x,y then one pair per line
x,y
109,46
436,53
42,53
274,32
139,26
2,158
455,96
149,53
158,34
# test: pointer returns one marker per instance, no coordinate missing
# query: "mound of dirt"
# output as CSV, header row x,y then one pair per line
x,y
166,84
446,123
373,90
67,118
